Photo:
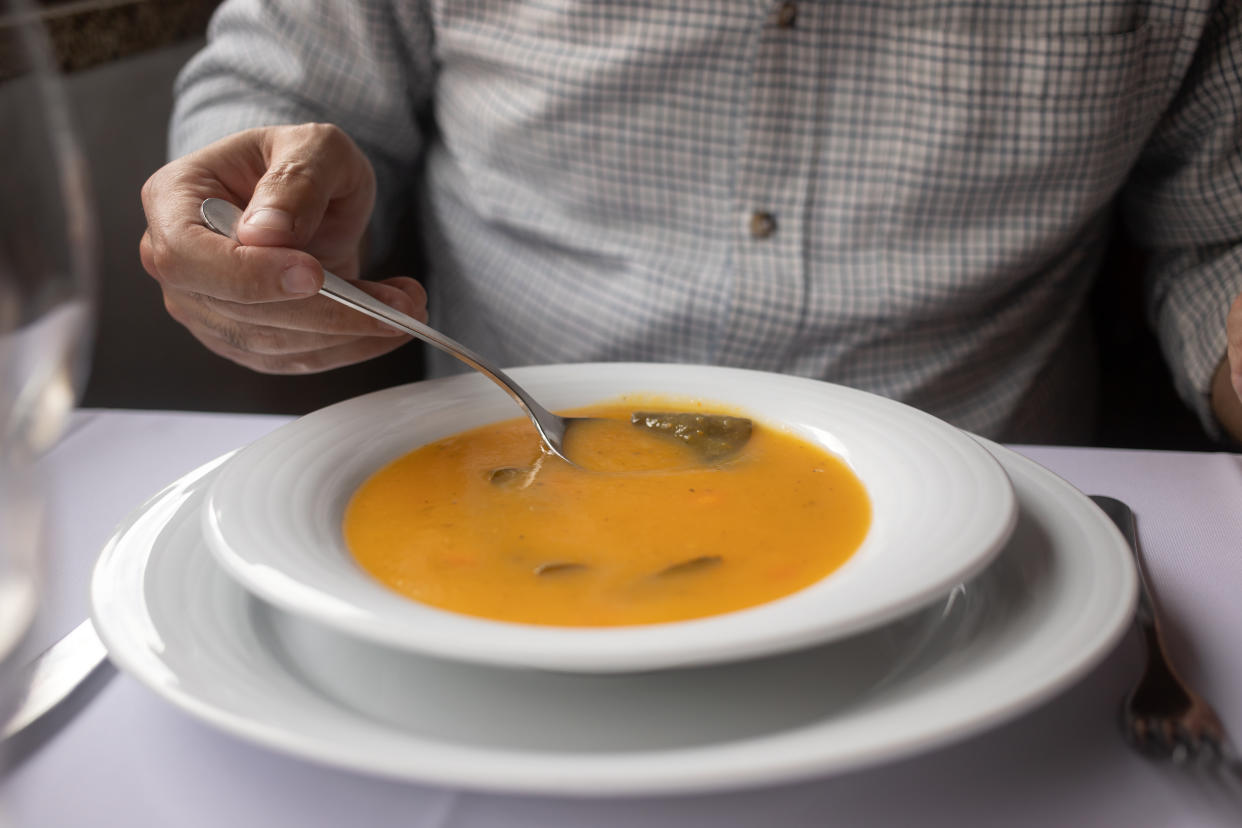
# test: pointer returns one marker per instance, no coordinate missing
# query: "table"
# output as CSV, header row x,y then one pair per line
x,y
130,759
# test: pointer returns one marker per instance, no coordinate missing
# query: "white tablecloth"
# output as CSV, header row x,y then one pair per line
x,y
132,760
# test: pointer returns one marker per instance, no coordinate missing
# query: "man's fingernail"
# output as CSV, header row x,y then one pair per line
x,y
299,280
270,218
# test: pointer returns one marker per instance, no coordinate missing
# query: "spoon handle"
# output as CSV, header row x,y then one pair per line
x,y
334,287
223,217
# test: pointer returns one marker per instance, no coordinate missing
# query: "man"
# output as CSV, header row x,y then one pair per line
x,y
912,198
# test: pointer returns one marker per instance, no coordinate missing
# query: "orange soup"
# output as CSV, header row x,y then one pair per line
x,y
482,523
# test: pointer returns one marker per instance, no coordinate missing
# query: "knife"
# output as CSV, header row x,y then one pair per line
x,y
53,688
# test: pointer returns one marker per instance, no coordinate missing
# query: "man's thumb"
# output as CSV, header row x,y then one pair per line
x,y
307,167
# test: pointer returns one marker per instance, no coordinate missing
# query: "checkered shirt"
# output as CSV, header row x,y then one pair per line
x,y
907,197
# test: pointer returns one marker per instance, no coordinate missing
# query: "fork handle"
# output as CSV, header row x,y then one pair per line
x,y
1123,517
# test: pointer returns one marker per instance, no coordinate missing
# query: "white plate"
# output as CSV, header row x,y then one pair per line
x,y
942,508
1053,604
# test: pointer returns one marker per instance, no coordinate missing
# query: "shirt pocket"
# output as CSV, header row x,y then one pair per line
x,y
1021,136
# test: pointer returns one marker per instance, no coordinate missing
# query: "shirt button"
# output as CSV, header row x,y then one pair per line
x,y
762,224
787,15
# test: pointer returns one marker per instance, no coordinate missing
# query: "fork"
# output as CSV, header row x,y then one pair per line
x,y
1162,717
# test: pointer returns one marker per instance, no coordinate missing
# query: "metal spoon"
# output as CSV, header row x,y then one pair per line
x,y
223,217
714,436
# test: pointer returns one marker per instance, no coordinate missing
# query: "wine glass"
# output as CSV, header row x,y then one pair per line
x,y
47,280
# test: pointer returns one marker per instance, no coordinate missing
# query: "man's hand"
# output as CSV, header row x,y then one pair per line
x,y
308,192
1227,384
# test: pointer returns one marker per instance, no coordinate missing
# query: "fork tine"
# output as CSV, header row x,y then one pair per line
x,y
1144,735
1225,788
1229,766
1220,772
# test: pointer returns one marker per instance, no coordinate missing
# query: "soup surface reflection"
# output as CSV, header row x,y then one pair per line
x,y
482,523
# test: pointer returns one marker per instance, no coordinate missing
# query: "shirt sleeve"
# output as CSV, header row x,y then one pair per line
x,y
1184,202
364,65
